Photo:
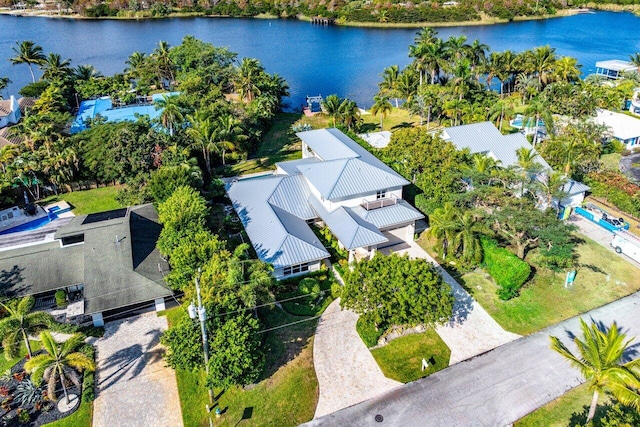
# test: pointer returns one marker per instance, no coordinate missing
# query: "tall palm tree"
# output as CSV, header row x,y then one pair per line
x,y
467,229
442,226
534,111
135,62
28,53
435,58
567,69
246,81
407,84
61,361
86,72
477,54
331,107
19,324
349,113
171,114
202,132
4,83
601,361
229,133
542,61
552,186
381,105
55,67
389,83
528,165
164,62
457,47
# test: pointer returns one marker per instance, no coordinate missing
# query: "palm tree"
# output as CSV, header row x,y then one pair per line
x,y
4,83
7,154
442,226
601,361
349,113
203,136
477,53
164,62
528,165
86,72
19,324
247,78
55,67
331,107
171,114
407,84
534,111
435,57
467,229
60,362
552,185
383,106
542,61
567,69
135,63
28,53
457,47
389,83
635,59
229,133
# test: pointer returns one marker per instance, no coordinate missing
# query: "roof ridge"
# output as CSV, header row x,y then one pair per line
x,y
335,183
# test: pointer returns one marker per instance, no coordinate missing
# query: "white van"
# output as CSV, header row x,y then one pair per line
x,y
626,243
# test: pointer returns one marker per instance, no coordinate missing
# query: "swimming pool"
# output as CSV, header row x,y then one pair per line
x,y
104,107
517,122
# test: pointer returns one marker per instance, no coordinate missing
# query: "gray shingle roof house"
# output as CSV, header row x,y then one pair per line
x,y
110,256
485,138
337,183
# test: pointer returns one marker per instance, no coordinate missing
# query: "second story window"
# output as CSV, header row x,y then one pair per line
x,y
381,194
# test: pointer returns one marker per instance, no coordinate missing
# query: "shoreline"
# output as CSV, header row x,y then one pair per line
x,y
485,20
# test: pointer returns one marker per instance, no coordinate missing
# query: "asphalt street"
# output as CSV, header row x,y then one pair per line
x,y
493,389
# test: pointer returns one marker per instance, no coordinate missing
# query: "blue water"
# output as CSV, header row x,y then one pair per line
x,y
313,59
90,108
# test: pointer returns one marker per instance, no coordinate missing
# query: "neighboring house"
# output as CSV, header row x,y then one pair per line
x,y
377,139
337,183
623,127
614,68
485,138
9,112
107,261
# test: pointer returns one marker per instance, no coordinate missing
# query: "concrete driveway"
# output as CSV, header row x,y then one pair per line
x,y
133,385
598,234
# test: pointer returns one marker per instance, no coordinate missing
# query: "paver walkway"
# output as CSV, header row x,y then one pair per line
x,y
347,372
472,330
134,387
494,389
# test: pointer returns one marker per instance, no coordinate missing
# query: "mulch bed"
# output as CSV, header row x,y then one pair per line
x,y
44,412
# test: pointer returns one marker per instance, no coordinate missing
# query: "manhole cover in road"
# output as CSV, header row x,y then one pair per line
x,y
379,418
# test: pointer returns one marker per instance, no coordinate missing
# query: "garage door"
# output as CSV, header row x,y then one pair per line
x,y
395,236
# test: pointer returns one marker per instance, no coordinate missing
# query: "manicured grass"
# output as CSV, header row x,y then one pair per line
x,y
398,118
602,277
611,161
5,364
569,409
286,395
81,418
401,359
278,144
89,201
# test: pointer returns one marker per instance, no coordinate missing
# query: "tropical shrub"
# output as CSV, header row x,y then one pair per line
x,y
509,271
617,189
309,285
61,298
27,393
368,331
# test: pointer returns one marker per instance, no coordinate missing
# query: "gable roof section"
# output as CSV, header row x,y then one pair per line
x,y
574,187
291,195
5,107
276,233
486,138
328,144
389,216
291,167
339,179
351,230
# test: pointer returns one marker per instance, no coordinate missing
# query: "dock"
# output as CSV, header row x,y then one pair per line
x,y
323,20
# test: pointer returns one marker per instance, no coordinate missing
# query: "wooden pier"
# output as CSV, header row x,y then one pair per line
x,y
322,20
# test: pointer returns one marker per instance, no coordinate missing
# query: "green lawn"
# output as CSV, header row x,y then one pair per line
x,y
611,161
89,201
569,409
602,277
81,418
278,144
397,119
401,359
286,395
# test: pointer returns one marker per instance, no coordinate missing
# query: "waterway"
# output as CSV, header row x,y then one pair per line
x,y
313,59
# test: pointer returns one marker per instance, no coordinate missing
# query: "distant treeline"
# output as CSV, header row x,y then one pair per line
x,y
394,11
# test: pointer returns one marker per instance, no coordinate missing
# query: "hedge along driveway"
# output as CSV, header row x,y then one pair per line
x,y
471,330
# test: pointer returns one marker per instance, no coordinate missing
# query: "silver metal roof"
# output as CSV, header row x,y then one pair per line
x,y
486,138
328,144
388,216
291,167
277,234
351,230
575,187
345,178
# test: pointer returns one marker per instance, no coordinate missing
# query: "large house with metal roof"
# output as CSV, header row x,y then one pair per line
x,y
106,262
337,184
485,138
622,127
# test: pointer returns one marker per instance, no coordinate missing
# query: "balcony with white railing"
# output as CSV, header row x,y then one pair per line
x,y
380,203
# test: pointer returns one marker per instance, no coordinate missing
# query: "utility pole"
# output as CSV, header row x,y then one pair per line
x,y
201,314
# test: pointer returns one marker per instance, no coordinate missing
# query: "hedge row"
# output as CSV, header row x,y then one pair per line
x,y
509,271
617,189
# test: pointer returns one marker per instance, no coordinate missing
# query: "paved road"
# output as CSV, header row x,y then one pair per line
x,y
347,372
134,386
493,389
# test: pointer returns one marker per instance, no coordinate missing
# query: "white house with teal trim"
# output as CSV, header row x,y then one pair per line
x,y
9,112
623,127
337,183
